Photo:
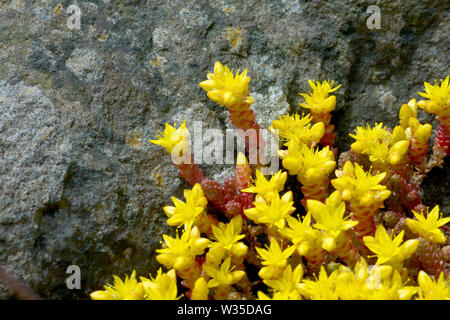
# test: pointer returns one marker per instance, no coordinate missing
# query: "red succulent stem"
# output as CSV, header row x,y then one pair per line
x,y
364,215
315,190
329,136
418,151
443,137
244,118
346,250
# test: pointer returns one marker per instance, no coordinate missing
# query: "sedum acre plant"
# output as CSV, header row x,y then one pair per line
x,y
350,225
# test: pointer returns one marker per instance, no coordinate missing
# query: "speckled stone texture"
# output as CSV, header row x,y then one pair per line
x,y
79,181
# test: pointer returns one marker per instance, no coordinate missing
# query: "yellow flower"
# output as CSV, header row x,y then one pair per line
x,y
390,250
173,136
412,128
408,111
274,259
372,283
228,236
179,253
223,275
359,283
361,187
201,290
299,130
163,287
430,289
130,289
271,212
418,131
307,163
226,89
379,145
302,235
265,187
188,213
438,101
319,100
330,218
285,286
322,288
428,228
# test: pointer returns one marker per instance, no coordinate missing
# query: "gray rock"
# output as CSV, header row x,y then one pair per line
x,y
81,184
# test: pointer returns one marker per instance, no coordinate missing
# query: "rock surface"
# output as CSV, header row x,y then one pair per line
x,y
79,182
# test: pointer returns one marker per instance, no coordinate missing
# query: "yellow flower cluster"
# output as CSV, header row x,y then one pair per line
x,y
298,130
162,287
416,133
228,237
364,192
339,236
427,226
190,212
380,145
227,89
319,101
267,188
438,101
172,137
273,212
413,128
308,164
364,282
312,168
361,187
390,251
284,287
308,241
331,220
274,259
180,252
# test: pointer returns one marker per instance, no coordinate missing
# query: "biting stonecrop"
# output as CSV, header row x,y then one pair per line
x,y
362,228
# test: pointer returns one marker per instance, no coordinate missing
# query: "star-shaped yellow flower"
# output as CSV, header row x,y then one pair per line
x,y
319,100
173,136
265,187
227,89
428,227
379,144
286,284
180,252
273,258
388,249
302,235
330,219
438,101
360,186
307,163
298,129
322,288
223,275
130,289
228,236
162,287
188,213
272,212
430,289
